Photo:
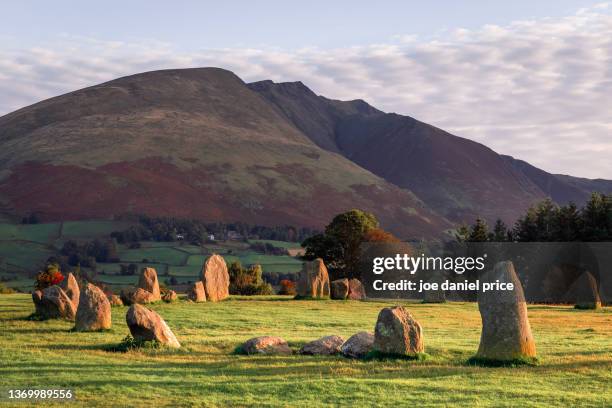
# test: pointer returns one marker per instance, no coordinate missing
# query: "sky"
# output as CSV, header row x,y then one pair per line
x,y
528,79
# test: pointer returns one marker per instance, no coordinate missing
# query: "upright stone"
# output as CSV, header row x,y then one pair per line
x,y
94,312
148,281
55,304
340,289
506,333
397,332
196,292
584,292
215,278
356,290
314,280
146,325
71,288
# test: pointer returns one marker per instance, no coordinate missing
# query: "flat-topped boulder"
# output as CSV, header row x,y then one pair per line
x,y
358,345
146,325
313,281
266,345
94,312
53,303
398,333
215,278
149,282
506,333
339,289
197,293
325,346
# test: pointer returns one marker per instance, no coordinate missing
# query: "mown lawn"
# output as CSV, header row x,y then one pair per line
x,y
575,349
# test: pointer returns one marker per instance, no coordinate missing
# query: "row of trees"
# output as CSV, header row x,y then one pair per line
x,y
549,222
89,253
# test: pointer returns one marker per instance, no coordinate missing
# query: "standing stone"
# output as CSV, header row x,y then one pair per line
x,y
397,332
115,300
169,296
266,345
325,346
71,288
197,293
55,304
148,281
340,289
356,290
215,278
584,292
358,345
313,281
146,325
438,295
94,312
506,333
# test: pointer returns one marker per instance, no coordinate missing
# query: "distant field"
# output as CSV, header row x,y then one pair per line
x,y
42,233
91,229
279,244
574,349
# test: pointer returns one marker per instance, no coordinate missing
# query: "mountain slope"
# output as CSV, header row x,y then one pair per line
x,y
188,143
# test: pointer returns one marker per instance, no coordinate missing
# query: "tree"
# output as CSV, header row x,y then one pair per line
x,y
379,235
500,232
479,231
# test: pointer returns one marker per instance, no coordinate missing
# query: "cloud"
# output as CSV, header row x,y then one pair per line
x,y
539,90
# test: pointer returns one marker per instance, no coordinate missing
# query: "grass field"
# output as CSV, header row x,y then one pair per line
x,y
575,350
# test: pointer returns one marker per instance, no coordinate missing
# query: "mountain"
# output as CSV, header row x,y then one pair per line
x,y
186,143
456,177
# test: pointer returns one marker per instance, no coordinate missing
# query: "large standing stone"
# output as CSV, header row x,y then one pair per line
x,y
314,280
266,345
397,332
196,292
146,325
71,288
148,281
327,345
94,312
215,278
584,292
356,290
358,345
339,289
53,303
506,333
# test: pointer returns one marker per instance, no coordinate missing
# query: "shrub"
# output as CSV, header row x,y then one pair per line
x,y
287,287
247,281
49,277
5,290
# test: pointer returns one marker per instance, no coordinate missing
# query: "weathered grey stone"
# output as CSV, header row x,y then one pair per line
x,y
313,280
506,333
137,295
54,304
584,292
327,345
215,278
147,325
71,288
266,345
356,290
148,281
94,312
358,345
397,332
339,289
197,292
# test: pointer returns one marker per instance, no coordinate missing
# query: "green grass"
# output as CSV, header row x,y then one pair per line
x,y
278,244
164,255
41,233
574,348
26,255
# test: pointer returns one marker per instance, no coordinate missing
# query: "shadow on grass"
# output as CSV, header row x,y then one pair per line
x,y
517,362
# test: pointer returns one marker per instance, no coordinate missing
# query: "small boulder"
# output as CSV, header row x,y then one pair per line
x,y
356,290
94,312
397,332
147,325
584,292
313,281
358,345
506,333
215,278
137,295
340,289
148,281
326,346
115,300
55,304
71,288
266,345
197,293
169,296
